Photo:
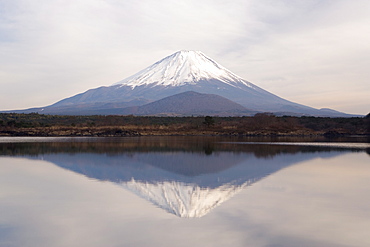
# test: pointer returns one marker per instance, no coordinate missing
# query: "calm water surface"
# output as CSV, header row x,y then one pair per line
x,y
184,191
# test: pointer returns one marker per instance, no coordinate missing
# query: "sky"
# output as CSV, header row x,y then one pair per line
x,y
312,52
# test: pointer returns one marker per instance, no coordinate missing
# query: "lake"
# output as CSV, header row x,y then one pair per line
x,y
184,191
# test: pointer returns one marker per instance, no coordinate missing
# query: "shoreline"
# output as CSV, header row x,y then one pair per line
x,y
118,126
132,132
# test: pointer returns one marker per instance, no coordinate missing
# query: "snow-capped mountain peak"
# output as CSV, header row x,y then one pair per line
x,y
182,68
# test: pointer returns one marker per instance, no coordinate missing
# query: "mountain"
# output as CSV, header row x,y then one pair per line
x,y
180,72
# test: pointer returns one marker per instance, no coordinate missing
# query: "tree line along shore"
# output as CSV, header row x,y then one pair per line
x,y
262,124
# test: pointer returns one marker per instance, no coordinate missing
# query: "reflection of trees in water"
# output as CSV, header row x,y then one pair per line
x,y
208,148
205,145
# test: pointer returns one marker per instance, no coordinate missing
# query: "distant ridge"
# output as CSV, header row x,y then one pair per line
x,y
190,103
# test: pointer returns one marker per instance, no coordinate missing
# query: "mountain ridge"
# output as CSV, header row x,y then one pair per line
x,y
190,103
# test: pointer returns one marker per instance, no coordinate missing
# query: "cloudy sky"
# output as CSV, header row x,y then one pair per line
x,y
313,52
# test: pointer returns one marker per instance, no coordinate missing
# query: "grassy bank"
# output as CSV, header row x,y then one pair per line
x,y
262,124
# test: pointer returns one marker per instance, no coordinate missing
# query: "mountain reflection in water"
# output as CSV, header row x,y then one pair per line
x,y
185,177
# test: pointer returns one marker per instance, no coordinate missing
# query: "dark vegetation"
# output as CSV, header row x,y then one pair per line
x,y
34,124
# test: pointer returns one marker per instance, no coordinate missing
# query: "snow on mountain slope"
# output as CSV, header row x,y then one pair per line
x,y
184,200
181,68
